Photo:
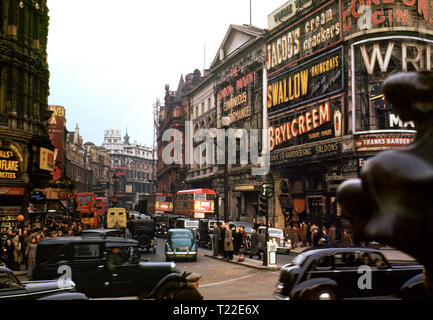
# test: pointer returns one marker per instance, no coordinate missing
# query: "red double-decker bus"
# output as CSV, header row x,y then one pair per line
x,y
101,205
160,203
196,203
85,204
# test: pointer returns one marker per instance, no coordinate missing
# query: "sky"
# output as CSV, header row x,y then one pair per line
x,y
110,60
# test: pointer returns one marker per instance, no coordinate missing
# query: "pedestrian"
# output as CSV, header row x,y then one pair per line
x,y
315,235
31,256
189,289
9,254
221,240
295,236
304,234
17,252
228,243
255,245
332,235
347,239
215,240
324,239
288,233
312,228
243,247
237,240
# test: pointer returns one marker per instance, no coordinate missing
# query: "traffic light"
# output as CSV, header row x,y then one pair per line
x,y
263,206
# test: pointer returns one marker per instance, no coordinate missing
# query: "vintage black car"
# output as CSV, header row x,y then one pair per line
x,y
331,274
100,267
205,232
11,288
103,233
144,231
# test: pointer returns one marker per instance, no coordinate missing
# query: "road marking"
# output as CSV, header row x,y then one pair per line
x,y
227,281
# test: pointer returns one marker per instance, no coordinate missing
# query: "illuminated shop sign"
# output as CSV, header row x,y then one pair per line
x,y
312,34
233,95
287,11
366,16
315,122
368,144
373,60
9,164
322,76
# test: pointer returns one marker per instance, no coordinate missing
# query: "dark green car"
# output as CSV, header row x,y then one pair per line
x,y
180,243
100,267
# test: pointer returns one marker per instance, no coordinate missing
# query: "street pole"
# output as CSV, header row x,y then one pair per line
x,y
265,253
226,182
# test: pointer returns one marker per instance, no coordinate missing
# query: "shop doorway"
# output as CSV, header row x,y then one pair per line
x,y
315,206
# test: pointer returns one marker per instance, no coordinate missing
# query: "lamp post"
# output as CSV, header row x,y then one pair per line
x,y
225,122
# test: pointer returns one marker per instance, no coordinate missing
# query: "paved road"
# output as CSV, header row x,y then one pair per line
x,y
226,281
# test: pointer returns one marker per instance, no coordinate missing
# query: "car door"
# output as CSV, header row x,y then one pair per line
x,y
121,270
385,281
87,267
320,268
346,267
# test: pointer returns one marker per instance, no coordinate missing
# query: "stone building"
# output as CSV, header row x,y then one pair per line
x,y
173,115
327,112
233,88
74,162
26,153
132,166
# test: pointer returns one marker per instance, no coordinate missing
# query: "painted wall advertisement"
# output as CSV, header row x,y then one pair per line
x,y
310,123
319,77
367,16
373,61
56,127
314,33
233,95
287,11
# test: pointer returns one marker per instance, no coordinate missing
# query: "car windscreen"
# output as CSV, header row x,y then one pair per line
x,y
275,232
191,224
181,235
53,253
299,260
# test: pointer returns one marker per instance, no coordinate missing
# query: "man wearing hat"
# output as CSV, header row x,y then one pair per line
x,y
189,291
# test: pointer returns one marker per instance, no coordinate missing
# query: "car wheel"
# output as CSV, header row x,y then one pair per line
x,y
167,291
323,293
144,241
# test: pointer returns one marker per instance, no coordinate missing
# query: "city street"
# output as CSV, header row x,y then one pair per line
x,y
227,281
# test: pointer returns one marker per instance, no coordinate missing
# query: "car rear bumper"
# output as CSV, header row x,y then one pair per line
x,y
181,253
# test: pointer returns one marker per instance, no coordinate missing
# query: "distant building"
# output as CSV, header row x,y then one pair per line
x,y
133,167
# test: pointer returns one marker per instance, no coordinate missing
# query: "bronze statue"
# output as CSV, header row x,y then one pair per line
x,y
392,202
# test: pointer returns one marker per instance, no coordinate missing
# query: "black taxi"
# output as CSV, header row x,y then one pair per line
x,y
100,267
340,273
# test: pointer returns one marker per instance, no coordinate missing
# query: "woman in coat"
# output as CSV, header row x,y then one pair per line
x,y
31,256
237,240
255,245
228,243
243,247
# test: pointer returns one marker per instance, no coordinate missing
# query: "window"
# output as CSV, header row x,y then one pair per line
x,y
200,196
210,197
324,263
83,251
347,260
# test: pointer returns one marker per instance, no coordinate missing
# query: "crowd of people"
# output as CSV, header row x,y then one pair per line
x,y
18,251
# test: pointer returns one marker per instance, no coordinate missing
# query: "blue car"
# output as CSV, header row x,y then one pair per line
x,y
180,243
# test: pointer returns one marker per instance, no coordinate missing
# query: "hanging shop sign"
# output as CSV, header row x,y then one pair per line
x,y
310,123
286,12
322,76
373,61
233,95
314,33
11,191
367,16
10,160
46,161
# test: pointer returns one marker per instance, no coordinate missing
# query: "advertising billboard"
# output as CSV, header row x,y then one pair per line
x,y
314,122
312,80
373,60
361,17
56,127
314,33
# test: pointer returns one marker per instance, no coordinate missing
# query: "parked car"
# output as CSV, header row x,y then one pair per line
x,y
100,267
103,233
180,243
331,274
144,231
186,223
11,288
283,246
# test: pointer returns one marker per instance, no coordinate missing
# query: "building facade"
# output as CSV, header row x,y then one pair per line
x,y
327,112
132,166
26,153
